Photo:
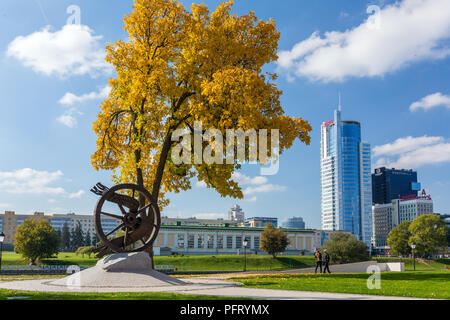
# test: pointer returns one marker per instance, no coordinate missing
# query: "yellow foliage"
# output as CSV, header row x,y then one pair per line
x,y
178,67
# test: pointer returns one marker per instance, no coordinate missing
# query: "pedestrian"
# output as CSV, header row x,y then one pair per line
x,y
326,259
318,260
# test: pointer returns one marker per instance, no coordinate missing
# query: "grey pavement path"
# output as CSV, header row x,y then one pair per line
x,y
199,286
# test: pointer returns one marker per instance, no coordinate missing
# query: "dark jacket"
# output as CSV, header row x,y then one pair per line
x,y
326,257
318,256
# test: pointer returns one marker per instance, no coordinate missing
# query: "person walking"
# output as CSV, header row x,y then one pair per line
x,y
318,260
326,259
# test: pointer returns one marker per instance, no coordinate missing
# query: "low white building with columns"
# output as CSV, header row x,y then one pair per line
x,y
210,240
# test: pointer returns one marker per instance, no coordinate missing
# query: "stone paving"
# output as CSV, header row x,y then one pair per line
x,y
200,286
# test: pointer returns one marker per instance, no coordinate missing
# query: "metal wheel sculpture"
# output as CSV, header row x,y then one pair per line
x,y
137,215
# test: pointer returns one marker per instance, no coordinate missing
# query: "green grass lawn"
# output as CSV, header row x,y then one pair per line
x,y
186,263
235,263
437,264
427,284
27,295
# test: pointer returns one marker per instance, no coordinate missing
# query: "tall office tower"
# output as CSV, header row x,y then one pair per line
x,y
390,184
346,179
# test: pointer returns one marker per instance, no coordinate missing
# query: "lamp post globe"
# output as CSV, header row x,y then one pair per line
x,y
244,244
2,238
413,246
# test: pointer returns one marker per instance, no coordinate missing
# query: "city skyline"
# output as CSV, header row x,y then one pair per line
x,y
402,101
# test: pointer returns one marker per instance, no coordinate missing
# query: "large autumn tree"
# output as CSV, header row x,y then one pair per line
x,y
178,67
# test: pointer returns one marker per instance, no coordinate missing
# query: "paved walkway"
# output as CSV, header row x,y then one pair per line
x,y
201,286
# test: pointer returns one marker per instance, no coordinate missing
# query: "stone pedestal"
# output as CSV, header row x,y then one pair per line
x,y
120,270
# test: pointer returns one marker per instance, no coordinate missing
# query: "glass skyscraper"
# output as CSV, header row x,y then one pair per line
x,y
346,179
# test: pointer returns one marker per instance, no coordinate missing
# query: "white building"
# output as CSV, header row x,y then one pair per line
x,y
196,240
388,216
236,214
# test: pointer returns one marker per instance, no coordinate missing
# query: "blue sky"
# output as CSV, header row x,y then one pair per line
x,y
392,67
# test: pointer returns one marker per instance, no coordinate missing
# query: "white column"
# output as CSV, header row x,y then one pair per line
x,y
165,239
196,241
252,242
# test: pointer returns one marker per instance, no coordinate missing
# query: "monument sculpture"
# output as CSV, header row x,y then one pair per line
x,y
138,216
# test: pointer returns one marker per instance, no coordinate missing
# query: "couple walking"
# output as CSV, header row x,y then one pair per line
x,y
325,260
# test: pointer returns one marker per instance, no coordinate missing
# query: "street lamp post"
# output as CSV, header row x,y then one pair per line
x,y
244,243
413,246
2,238
181,245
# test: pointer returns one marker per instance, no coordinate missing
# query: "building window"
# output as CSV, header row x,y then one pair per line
x,y
256,240
200,240
191,241
238,242
229,242
220,242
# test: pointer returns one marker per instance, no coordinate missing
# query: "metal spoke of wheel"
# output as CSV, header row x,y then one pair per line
x,y
115,229
122,209
112,215
144,208
125,238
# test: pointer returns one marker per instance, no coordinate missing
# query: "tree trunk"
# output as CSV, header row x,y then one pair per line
x,y
161,165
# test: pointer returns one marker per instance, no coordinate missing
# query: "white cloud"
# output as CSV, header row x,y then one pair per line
x,y
409,31
264,189
431,101
68,120
404,145
73,50
242,179
30,181
76,195
5,205
201,184
69,98
412,153
252,199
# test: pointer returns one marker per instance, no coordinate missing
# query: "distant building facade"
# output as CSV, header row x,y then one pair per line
x,y
388,216
261,222
10,221
212,240
293,223
390,184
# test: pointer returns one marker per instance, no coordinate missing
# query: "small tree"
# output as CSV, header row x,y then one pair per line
x,y
77,237
346,248
429,233
36,240
273,240
88,250
88,239
398,239
65,237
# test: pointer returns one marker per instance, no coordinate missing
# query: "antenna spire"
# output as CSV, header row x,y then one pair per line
x,y
340,106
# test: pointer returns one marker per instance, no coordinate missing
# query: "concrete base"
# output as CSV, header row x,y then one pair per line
x,y
121,270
